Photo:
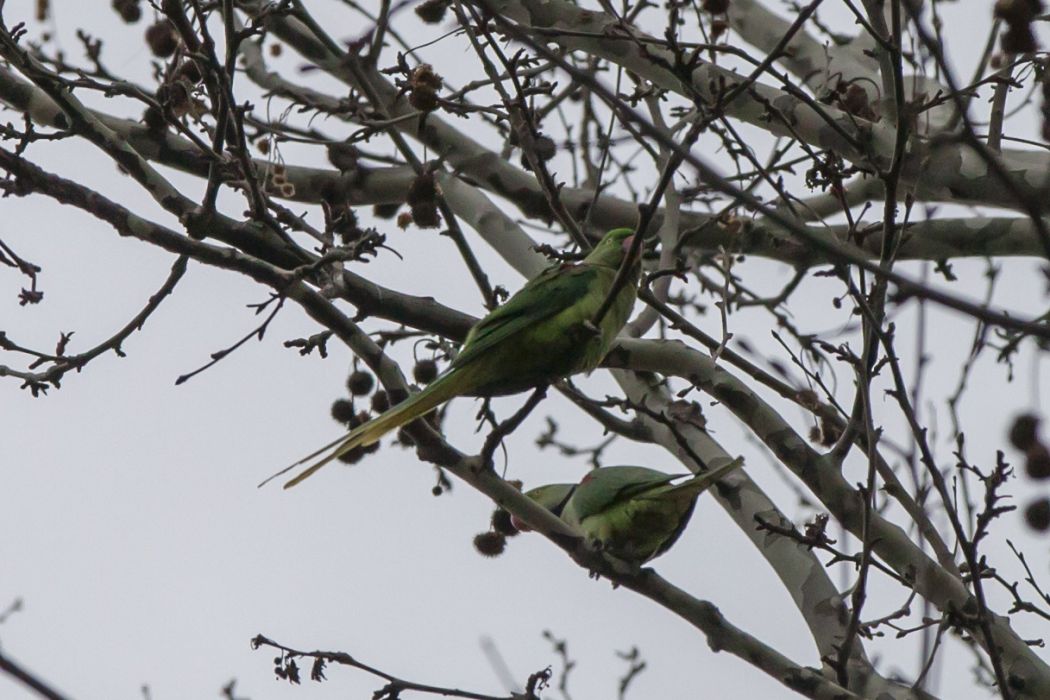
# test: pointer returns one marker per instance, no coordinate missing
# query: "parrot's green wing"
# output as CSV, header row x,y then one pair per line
x,y
601,488
555,289
697,484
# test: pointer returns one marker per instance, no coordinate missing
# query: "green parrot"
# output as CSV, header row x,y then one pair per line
x,y
541,334
633,513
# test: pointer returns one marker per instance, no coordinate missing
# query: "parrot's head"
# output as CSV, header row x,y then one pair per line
x,y
612,248
553,497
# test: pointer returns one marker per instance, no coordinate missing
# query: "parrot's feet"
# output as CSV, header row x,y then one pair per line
x,y
625,569
589,326
609,562
589,554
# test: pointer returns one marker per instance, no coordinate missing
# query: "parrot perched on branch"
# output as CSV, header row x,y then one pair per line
x,y
633,513
545,332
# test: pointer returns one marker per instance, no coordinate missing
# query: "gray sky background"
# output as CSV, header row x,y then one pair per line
x,y
144,554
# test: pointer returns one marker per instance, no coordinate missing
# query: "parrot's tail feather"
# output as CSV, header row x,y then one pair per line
x,y
701,482
307,458
364,435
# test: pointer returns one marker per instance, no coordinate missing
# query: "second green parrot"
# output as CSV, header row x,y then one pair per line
x,y
633,513
542,333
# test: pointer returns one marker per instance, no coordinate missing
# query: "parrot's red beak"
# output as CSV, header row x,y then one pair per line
x,y
627,243
519,525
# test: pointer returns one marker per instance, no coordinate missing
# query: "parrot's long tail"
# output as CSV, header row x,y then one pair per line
x,y
702,482
416,405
